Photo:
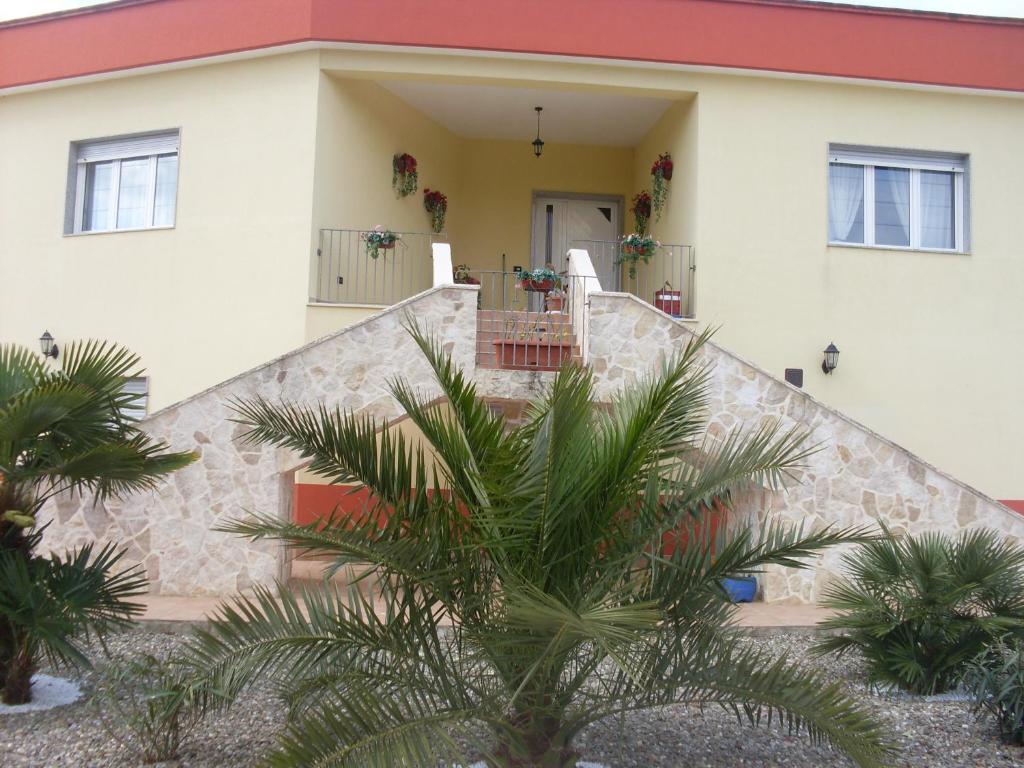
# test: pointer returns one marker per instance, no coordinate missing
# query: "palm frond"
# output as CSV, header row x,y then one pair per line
x,y
20,370
766,690
49,601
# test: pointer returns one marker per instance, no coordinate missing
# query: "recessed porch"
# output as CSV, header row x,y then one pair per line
x,y
508,211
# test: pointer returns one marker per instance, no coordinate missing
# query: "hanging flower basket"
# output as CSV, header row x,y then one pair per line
x,y
661,173
634,249
436,204
404,177
378,240
641,210
540,280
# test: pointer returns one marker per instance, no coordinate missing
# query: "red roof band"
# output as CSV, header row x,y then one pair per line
x,y
772,35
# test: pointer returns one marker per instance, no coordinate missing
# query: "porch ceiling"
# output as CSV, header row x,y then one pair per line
x,y
498,112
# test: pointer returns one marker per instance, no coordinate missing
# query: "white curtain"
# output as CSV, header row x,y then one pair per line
x,y
937,210
845,194
899,187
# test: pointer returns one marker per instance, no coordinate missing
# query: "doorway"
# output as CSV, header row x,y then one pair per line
x,y
562,220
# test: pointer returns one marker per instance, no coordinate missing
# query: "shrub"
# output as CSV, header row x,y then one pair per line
x,y
149,705
563,609
65,430
996,679
919,608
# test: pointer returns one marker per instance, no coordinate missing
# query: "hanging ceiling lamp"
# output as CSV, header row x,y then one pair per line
x,y
538,143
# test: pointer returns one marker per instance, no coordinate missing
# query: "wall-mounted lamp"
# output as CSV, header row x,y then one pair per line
x,y
831,358
538,143
47,347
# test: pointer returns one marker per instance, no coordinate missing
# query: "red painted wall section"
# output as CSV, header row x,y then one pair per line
x,y
777,35
317,502
1017,505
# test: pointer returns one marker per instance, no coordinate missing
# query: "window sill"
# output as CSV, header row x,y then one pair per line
x,y
898,249
117,231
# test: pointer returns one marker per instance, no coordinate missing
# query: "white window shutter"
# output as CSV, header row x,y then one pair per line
x,y
128,146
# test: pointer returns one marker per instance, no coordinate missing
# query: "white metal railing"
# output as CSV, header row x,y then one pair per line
x,y
666,280
350,271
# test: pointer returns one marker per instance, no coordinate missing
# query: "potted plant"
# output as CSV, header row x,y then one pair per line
x,y
635,248
641,210
404,176
661,173
554,300
379,239
436,204
462,276
540,280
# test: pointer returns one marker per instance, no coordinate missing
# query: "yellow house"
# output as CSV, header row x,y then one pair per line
x,y
200,179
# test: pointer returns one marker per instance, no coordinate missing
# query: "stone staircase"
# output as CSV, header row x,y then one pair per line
x,y
536,341
856,478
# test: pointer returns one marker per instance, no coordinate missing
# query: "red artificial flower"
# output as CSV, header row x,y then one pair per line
x,y
664,165
642,205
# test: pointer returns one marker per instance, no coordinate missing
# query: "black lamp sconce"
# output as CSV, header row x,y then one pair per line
x,y
538,143
47,347
831,359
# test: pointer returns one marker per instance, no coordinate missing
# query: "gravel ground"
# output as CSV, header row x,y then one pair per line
x,y
931,734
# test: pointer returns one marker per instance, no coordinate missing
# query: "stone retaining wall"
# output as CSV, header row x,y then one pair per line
x,y
857,478
169,530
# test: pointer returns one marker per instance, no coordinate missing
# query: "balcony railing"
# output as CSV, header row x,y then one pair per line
x,y
347,273
666,281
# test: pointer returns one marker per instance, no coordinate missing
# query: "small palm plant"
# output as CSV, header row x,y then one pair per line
x,y
919,608
996,680
62,431
523,589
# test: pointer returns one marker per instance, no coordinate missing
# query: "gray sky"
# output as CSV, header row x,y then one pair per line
x,y
14,9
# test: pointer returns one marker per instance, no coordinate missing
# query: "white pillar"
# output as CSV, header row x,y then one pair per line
x,y
581,282
444,274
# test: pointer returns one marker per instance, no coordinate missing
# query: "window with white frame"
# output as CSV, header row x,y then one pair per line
x,y
893,199
136,391
129,182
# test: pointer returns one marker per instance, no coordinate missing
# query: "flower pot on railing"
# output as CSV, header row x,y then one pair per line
x,y
538,286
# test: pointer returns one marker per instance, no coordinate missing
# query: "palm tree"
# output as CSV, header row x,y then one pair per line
x,y
65,430
920,608
541,547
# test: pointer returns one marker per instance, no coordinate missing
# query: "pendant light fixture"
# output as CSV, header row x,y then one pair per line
x,y
538,143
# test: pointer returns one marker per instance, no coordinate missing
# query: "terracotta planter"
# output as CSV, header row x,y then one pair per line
x,y
467,281
386,246
554,303
518,354
538,286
